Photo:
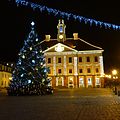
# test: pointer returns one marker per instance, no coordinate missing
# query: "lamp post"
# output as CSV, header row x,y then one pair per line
x,y
114,72
114,76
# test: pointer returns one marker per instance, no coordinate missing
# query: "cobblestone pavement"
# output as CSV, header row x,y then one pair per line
x,y
71,104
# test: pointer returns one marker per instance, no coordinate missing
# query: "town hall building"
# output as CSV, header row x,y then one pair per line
x,y
73,62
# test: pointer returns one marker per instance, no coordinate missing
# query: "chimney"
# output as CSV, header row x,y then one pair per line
x,y
47,37
75,36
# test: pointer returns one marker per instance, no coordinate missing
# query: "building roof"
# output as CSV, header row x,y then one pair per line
x,y
79,44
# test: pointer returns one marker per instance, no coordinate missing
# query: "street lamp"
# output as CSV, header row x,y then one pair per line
x,y
115,80
114,72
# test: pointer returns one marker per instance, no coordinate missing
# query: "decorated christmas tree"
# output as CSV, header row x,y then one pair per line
x,y
30,73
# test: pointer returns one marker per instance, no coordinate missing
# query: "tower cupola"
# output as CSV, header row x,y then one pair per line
x,y
61,36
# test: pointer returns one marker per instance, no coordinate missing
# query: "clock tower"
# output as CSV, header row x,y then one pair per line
x,y
61,31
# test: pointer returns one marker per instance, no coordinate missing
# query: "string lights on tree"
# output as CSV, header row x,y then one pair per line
x,y
30,73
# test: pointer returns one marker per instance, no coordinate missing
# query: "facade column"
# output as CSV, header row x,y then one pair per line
x,y
93,82
75,71
54,81
54,70
85,81
101,70
54,65
64,65
65,70
76,83
101,65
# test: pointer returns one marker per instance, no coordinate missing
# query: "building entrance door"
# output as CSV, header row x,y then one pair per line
x,y
59,81
89,80
70,82
81,82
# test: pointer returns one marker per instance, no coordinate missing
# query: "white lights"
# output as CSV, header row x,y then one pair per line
x,y
32,23
114,72
45,70
59,48
30,48
29,81
36,39
10,78
33,61
23,56
21,75
60,36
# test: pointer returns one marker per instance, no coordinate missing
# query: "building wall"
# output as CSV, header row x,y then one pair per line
x,y
4,79
68,70
5,75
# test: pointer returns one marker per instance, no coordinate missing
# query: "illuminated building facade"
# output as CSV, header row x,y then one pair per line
x,y
5,74
73,62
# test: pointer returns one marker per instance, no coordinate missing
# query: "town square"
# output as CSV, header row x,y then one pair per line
x,y
60,60
65,104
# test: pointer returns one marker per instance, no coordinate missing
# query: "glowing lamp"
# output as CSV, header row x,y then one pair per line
x,y
32,23
60,36
114,72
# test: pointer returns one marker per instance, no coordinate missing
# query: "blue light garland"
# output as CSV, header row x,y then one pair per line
x,y
56,12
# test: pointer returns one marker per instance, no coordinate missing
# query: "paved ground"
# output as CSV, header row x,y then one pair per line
x,y
78,104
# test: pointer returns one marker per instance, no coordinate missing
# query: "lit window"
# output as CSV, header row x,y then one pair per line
x,y
81,81
96,59
88,70
80,71
88,59
70,59
97,70
61,29
59,60
70,70
59,71
97,81
89,81
49,60
80,59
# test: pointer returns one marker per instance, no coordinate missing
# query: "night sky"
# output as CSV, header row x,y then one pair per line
x,y
15,26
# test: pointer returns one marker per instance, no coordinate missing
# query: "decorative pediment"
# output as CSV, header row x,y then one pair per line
x,y
59,47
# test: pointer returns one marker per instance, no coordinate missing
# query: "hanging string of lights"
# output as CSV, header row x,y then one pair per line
x,y
62,14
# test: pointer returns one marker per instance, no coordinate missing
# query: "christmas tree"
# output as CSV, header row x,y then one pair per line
x,y
30,73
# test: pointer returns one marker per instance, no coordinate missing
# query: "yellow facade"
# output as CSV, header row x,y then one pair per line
x,y
73,62
70,72
5,75
5,79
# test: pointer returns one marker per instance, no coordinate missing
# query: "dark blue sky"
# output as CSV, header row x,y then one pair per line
x,y
16,21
